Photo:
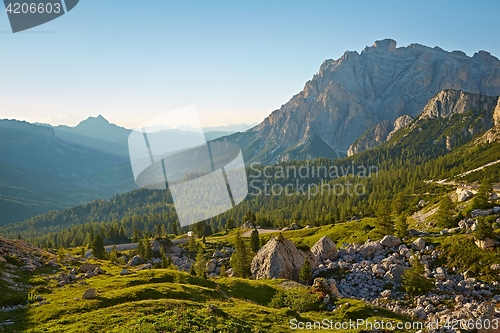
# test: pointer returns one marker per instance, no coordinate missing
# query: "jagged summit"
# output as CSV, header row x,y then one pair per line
x,y
356,92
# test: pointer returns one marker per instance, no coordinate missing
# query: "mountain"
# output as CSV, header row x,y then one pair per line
x,y
97,133
354,93
40,171
382,132
451,119
446,139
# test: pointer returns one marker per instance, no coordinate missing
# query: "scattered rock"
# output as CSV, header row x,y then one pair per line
x,y
135,261
89,294
124,272
324,249
390,241
418,244
87,268
485,243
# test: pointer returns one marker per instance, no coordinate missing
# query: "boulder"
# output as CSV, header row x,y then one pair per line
x,y
485,243
135,261
418,244
99,270
248,225
279,258
89,294
369,248
495,267
87,268
481,212
124,272
324,249
390,241
463,194
386,293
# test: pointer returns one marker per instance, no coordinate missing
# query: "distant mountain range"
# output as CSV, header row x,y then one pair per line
x,y
360,91
46,167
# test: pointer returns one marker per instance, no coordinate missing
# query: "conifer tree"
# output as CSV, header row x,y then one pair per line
x,y
414,281
98,249
306,271
239,259
254,241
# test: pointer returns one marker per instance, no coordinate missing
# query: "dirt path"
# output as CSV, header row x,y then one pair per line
x,y
260,231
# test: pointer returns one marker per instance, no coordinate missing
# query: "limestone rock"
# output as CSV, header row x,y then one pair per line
x,y
354,93
89,294
324,249
485,243
135,261
418,244
87,267
390,241
279,258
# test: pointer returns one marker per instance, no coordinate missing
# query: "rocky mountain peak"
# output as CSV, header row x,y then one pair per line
x,y
385,45
356,92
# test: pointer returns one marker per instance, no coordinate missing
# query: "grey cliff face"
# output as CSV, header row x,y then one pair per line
x,y
353,94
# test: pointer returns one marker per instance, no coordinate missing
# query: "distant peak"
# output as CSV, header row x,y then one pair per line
x,y
385,44
98,120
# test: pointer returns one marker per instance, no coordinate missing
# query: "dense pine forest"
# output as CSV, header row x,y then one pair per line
x,y
315,193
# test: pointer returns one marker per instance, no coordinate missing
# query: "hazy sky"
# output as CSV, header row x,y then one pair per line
x,y
133,60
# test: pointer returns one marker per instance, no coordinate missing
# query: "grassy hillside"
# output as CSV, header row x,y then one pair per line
x,y
163,300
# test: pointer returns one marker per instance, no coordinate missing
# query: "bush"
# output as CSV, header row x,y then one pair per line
x,y
414,280
297,299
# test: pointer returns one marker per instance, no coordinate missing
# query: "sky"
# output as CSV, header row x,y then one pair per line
x,y
237,61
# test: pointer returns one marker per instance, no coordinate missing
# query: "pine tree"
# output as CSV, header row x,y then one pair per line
x,y
384,221
222,270
254,241
175,228
414,280
399,204
306,271
113,255
402,226
484,230
445,212
229,224
200,263
148,252
192,271
192,245
239,259
482,197
98,249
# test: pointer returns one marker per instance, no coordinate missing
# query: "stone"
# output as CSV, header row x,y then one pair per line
x,y
279,258
369,248
324,249
135,261
87,267
99,270
124,272
90,274
463,194
390,241
89,294
418,244
495,267
248,225
386,293
485,243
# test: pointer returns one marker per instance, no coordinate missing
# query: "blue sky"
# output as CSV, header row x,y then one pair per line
x,y
133,60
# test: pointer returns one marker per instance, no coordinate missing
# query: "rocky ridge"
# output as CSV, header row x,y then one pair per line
x,y
354,93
